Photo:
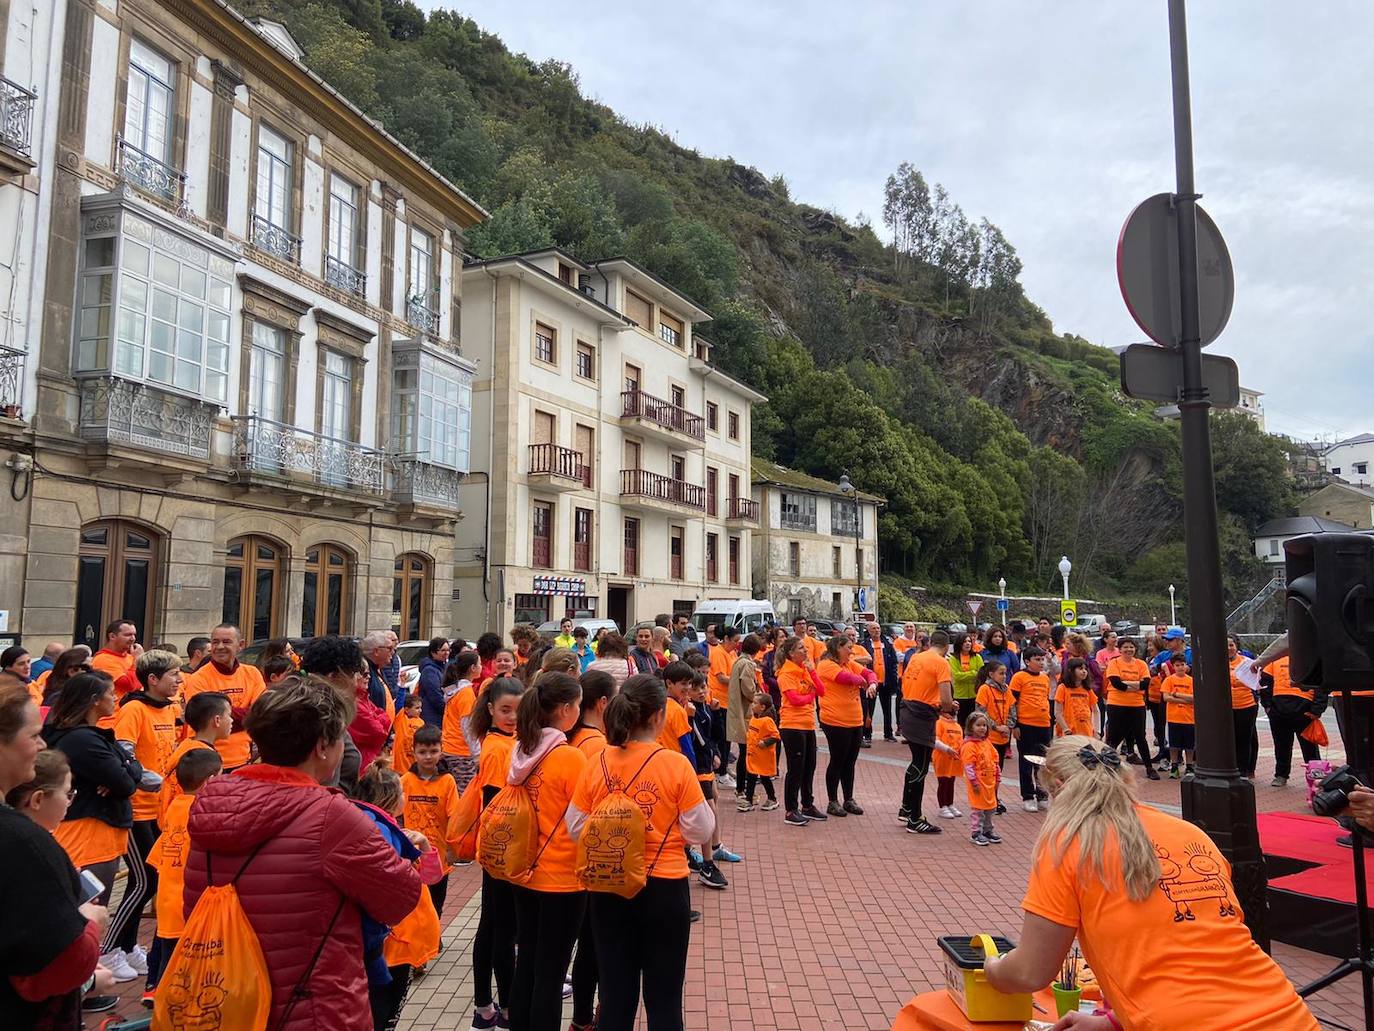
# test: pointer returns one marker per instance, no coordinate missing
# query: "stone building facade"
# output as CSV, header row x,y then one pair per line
x,y
240,390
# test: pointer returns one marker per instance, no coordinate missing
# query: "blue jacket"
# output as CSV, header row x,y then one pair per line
x,y
892,670
431,692
1006,657
703,754
375,932
1167,656
584,658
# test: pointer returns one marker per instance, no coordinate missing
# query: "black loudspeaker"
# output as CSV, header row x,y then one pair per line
x,y
1330,609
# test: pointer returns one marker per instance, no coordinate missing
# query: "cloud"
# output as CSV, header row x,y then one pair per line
x,y
1051,119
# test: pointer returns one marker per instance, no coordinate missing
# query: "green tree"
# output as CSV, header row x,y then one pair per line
x,y
1251,470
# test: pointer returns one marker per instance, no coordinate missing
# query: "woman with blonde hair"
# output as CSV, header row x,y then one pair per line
x,y
1103,864
557,660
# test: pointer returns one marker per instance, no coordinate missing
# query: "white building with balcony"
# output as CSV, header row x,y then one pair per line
x,y
616,456
244,396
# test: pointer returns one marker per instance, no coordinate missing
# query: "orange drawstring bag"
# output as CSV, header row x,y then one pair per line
x,y
1316,733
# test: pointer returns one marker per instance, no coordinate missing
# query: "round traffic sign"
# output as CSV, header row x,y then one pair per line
x,y
1147,271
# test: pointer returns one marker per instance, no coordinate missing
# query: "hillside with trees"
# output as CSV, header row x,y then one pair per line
x,y
917,365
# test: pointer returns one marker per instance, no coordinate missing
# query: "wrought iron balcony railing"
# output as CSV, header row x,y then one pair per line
x,y
11,381
16,116
345,277
637,404
415,481
274,240
148,173
264,447
115,410
420,315
657,487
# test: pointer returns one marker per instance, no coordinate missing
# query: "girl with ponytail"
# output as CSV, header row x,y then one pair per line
x,y
1145,894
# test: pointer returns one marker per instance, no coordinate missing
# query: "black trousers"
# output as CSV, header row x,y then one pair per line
x,y
800,748
546,928
643,942
752,780
438,894
1001,755
585,973
1160,718
141,886
885,700
1287,720
741,768
386,1000
719,740
1126,725
843,744
944,791
493,946
914,783
868,706
966,707
1243,720
1034,741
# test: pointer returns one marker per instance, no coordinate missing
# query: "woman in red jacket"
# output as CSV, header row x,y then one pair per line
x,y
309,860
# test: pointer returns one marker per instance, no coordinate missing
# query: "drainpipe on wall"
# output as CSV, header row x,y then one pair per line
x,y
491,434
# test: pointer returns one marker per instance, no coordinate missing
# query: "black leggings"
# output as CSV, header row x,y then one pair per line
x,y
585,973
140,887
546,928
1160,719
966,706
1126,726
1285,727
843,743
752,780
386,1000
741,767
438,894
885,697
493,946
914,784
800,748
1033,741
1243,720
643,939
944,791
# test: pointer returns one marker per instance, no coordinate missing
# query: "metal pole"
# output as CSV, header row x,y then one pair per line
x,y
1218,799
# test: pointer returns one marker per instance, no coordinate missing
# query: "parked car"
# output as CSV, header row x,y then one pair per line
x,y
1126,626
893,629
747,614
250,654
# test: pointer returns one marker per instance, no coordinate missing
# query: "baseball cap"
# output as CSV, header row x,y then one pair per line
x,y
1173,634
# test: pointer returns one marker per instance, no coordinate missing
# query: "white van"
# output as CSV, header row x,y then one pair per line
x,y
745,613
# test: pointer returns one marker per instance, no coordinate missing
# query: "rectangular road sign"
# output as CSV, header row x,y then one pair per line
x,y
1153,373
1003,604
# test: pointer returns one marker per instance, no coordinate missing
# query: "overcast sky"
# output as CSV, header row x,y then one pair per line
x,y
1053,120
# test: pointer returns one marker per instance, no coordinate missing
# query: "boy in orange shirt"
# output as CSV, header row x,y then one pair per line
x,y
431,804
168,857
677,731
1177,691
702,722
1031,688
947,766
403,729
208,718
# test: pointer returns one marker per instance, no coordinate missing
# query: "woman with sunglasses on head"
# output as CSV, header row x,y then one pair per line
x,y
74,660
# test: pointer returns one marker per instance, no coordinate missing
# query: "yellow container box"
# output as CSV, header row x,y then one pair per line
x,y
968,985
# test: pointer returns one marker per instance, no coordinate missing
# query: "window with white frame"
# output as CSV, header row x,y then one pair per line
x,y
273,202
336,396
343,221
422,267
267,372
148,110
432,409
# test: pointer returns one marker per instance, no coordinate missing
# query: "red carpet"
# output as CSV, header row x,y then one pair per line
x,y
1293,840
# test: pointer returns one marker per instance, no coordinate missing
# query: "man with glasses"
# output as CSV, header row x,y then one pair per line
x,y
379,650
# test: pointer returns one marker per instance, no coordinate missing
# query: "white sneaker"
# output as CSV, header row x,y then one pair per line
x,y
1030,806
117,963
725,780
138,959
1043,804
955,812
946,812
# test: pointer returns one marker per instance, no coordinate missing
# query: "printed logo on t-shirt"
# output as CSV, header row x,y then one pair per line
x,y
1194,877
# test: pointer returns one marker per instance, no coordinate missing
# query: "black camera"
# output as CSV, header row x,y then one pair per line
x,y
1334,796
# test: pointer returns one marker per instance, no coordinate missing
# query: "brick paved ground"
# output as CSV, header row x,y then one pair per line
x,y
834,925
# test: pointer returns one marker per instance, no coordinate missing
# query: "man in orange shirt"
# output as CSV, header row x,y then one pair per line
x,y
907,640
723,658
117,658
815,648
927,689
240,683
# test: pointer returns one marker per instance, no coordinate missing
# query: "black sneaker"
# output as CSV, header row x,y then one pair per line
x,y
694,916
833,809
812,813
981,840
903,815
1151,774
1042,796
993,838
710,875
99,1003
1001,810
866,742
853,808
795,819
922,826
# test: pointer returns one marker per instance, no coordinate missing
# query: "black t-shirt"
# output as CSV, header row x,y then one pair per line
x,y
39,897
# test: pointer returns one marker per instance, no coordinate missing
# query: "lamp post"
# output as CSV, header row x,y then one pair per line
x,y
1065,567
1173,615
848,490
1002,593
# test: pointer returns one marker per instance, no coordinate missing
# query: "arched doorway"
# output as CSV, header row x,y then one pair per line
x,y
117,573
254,571
326,601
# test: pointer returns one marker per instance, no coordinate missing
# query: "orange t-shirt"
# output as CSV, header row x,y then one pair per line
x,y
798,680
1076,705
982,756
923,677
760,759
430,808
1152,693
1180,684
36,687
456,710
171,787
1195,909
116,665
1283,681
1127,670
590,740
997,704
722,661
840,705
1032,691
243,686
495,762
1241,695
815,648
877,652
903,645
415,940
89,840
674,726
153,732
859,652
947,731
551,788
403,730
664,787
168,858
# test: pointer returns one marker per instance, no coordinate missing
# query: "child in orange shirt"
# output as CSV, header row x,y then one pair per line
x,y
947,765
431,801
460,758
761,755
979,759
1177,691
168,857
403,729
1074,700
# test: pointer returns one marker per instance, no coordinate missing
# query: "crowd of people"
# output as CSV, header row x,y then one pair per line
x,y
582,775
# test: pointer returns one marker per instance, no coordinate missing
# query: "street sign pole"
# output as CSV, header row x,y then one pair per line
x,y
1218,799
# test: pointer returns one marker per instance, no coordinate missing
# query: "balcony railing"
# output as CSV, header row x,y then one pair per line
x,y
421,315
417,482
345,277
272,239
743,508
552,460
264,447
115,410
148,173
644,484
11,381
16,116
637,404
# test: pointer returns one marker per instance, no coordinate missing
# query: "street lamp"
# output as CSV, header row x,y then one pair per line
x,y
1065,567
847,489
1002,593
1173,615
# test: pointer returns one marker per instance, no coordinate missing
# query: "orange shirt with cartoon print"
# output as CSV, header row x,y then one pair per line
x,y
997,703
1032,691
840,705
1128,671
168,857
760,759
171,787
152,730
454,739
1076,705
1194,907
430,808
551,786
981,756
1179,684
664,786
948,732
797,680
